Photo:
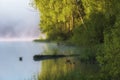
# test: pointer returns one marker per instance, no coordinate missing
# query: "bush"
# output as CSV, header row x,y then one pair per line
x,y
93,34
110,60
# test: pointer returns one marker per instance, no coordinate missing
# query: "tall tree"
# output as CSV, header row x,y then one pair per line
x,y
59,17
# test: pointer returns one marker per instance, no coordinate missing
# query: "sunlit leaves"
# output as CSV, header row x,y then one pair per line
x,y
60,15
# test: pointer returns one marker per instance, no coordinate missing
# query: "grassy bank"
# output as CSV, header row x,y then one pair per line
x,y
69,68
61,70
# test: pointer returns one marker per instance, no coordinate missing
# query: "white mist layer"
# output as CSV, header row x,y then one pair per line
x,y
18,21
16,39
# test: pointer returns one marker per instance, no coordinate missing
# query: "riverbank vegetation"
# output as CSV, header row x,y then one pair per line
x,y
94,24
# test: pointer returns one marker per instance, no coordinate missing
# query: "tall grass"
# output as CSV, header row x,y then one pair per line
x,y
61,70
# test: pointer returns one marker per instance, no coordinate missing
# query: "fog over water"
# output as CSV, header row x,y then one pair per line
x,y
18,19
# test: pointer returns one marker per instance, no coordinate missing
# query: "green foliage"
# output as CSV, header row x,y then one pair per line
x,y
110,59
110,52
86,23
94,33
59,17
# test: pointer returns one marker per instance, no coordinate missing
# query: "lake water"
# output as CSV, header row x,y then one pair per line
x,y
10,66
13,69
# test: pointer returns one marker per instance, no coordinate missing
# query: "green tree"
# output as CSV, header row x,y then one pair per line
x,y
94,23
59,17
110,57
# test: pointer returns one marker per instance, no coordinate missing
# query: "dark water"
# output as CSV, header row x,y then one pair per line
x,y
10,66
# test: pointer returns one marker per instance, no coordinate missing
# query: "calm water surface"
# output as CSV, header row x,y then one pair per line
x,y
13,69
10,66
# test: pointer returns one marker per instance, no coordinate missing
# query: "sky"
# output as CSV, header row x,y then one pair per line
x,y
18,19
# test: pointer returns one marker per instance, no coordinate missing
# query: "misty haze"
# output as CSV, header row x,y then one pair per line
x,y
18,19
